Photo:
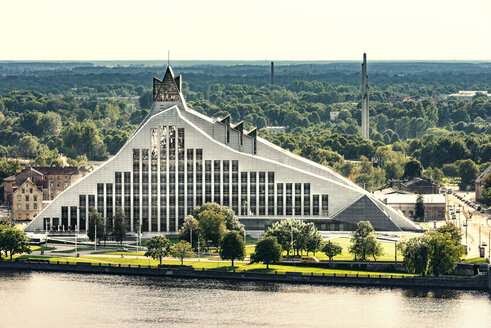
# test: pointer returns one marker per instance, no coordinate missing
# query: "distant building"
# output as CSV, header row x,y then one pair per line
x,y
434,204
399,99
468,95
50,180
417,186
480,183
27,201
276,129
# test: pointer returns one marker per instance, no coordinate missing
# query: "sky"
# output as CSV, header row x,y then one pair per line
x,y
245,30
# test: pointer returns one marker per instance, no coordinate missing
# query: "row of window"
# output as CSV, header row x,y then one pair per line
x,y
167,183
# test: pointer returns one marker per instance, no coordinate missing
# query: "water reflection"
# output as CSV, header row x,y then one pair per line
x,y
77,300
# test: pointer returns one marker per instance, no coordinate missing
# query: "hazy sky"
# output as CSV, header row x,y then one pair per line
x,y
245,30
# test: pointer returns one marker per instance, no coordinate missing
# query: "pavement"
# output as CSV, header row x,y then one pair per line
x,y
475,221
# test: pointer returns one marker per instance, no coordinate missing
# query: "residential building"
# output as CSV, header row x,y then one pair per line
x,y
27,201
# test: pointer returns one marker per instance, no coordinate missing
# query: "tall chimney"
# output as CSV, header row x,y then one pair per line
x,y
365,126
272,72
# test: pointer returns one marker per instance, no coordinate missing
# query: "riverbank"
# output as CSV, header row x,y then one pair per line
x,y
478,282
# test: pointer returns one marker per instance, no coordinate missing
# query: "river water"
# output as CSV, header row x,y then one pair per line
x,y
80,300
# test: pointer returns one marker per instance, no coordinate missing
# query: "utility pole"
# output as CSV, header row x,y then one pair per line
x,y
395,251
95,236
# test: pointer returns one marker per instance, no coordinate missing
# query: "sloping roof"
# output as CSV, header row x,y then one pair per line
x,y
55,170
484,174
364,209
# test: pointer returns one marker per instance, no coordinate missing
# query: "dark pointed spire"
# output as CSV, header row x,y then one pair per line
x,y
169,88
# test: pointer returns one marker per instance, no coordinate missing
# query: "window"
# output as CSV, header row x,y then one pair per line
x,y
252,193
207,181
216,181
64,217
243,193
289,199
235,186
226,183
279,199
35,198
82,205
315,205
27,198
199,176
325,204
27,207
30,190
18,198
298,199
306,199
35,206
190,180
262,193
23,191
270,193
18,207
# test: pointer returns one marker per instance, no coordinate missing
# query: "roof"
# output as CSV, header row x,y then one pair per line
x,y
484,174
418,181
411,199
55,170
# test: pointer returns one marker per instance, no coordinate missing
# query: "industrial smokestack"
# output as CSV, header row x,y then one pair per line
x,y
365,125
272,72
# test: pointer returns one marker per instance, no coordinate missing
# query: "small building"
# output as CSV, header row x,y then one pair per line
x,y
468,95
480,183
27,201
419,186
434,204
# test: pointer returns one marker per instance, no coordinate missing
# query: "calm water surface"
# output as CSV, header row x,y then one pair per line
x,y
78,300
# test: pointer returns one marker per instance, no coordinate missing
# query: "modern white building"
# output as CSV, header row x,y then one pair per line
x,y
178,158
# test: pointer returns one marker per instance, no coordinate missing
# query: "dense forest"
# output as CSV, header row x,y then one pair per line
x,y
71,113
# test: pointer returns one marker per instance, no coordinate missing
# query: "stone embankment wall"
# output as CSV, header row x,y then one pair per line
x,y
462,269
478,282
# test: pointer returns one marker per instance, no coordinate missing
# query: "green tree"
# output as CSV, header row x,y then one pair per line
x,y
331,249
416,254
314,242
267,251
158,247
231,221
364,242
95,219
419,209
468,172
412,169
232,247
453,231
211,226
181,250
444,254
190,224
120,228
14,241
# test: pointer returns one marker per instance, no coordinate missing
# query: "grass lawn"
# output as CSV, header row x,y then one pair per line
x,y
344,242
221,266
476,260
